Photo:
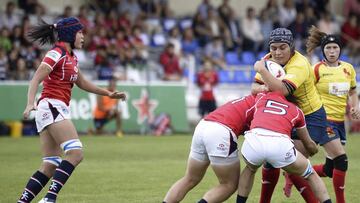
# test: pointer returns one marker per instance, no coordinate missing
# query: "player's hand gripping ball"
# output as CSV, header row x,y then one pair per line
x,y
275,69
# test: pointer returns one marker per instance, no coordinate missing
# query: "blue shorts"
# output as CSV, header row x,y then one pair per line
x,y
337,129
99,123
316,124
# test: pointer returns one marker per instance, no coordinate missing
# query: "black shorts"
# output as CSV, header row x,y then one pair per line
x,y
206,106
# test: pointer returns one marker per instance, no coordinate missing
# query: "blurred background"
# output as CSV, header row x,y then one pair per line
x,y
166,54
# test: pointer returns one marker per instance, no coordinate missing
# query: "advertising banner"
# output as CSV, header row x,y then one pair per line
x,y
142,105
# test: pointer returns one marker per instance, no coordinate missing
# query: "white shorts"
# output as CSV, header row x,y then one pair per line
x,y
50,111
262,145
214,142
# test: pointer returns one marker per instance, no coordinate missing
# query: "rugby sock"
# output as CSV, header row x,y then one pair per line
x,y
36,183
202,201
339,185
304,188
60,177
319,169
270,177
241,199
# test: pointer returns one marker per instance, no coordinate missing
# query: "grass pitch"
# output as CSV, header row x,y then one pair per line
x,y
137,169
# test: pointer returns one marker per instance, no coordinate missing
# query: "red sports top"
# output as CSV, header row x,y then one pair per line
x,y
236,114
64,74
273,112
206,81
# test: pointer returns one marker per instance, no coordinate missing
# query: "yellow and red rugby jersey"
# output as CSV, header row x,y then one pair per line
x,y
300,76
333,85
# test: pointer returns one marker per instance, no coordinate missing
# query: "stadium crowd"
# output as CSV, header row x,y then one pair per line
x,y
128,37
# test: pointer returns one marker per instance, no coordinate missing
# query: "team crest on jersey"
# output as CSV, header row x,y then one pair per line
x,y
76,69
346,72
54,55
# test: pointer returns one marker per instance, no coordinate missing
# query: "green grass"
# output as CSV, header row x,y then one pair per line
x,y
135,169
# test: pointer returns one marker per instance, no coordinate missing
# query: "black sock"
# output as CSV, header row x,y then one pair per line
x,y
60,177
202,201
327,201
36,183
241,199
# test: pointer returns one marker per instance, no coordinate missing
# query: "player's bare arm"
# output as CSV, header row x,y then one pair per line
x,y
86,85
42,71
305,138
354,104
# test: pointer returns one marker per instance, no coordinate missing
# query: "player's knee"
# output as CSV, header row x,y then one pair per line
x,y
341,162
328,167
73,150
308,171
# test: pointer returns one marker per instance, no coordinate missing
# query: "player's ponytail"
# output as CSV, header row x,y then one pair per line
x,y
44,33
314,39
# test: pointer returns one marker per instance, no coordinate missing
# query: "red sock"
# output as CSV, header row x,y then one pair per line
x,y
270,177
304,188
339,185
320,170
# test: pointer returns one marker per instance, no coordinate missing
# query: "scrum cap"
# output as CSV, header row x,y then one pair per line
x,y
67,29
281,35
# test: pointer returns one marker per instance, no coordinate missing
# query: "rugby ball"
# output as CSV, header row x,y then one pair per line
x,y
275,69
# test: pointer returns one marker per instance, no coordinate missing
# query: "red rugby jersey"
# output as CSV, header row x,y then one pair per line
x,y
64,73
273,112
236,114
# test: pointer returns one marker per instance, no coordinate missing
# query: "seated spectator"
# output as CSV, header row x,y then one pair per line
x,y
170,64
214,52
188,43
11,17
106,110
207,79
21,70
327,24
250,26
351,6
287,13
3,65
351,36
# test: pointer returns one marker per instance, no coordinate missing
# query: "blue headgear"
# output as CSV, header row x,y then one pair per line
x,y
282,35
67,29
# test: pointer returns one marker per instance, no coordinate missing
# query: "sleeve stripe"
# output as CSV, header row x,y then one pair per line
x,y
316,71
51,68
291,87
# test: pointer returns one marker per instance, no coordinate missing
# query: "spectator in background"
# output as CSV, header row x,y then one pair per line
x,y
11,17
273,8
351,6
170,64
350,33
267,26
287,13
5,42
225,10
106,110
299,27
21,70
204,7
175,39
233,27
201,30
250,26
207,79
327,24
3,65
214,52
130,6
